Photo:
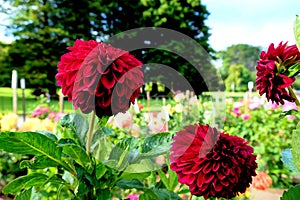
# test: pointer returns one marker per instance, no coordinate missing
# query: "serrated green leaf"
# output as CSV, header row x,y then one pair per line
x,y
78,124
297,31
130,184
25,182
32,143
287,159
292,193
296,146
155,141
38,162
79,155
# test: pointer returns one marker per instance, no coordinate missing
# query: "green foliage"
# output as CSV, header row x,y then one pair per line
x,y
71,171
291,194
296,146
269,135
238,76
297,31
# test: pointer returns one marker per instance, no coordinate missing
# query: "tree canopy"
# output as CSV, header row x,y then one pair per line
x,y
44,28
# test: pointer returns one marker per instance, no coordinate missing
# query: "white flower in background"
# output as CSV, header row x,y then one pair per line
x,y
178,108
179,97
207,115
135,130
164,114
157,125
123,120
238,104
194,101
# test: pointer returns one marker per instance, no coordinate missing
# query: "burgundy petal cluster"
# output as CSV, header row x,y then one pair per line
x,y
212,163
272,66
97,76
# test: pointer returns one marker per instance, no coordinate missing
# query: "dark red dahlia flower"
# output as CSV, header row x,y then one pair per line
x,y
97,76
212,163
271,72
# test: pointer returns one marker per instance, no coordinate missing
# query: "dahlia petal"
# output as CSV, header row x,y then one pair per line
x,y
108,81
216,166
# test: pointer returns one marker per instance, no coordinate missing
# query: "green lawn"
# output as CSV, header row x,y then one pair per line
x,y
31,101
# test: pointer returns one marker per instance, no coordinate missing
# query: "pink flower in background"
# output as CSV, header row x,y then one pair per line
x,y
271,105
40,112
255,103
132,197
236,110
287,106
245,117
58,116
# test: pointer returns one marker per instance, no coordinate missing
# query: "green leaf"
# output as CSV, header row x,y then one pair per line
x,y
289,112
79,155
145,165
292,193
297,31
164,179
287,159
100,170
104,194
296,146
149,195
30,194
173,180
293,70
32,143
130,176
78,124
164,194
38,162
130,184
155,141
25,182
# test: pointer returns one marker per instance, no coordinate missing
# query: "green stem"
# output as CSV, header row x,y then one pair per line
x,y
90,134
190,197
292,93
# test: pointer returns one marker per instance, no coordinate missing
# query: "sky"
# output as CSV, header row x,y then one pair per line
x,y
253,22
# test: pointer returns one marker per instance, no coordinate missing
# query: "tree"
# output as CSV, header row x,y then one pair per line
x,y
238,77
44,28
239,54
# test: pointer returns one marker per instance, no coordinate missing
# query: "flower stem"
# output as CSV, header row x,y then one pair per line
x,y
90,134
190,197
292,93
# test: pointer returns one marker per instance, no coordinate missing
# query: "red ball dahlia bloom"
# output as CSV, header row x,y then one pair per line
x,y
271,72
212,163
97,76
